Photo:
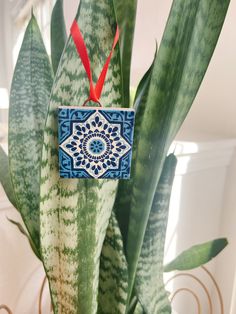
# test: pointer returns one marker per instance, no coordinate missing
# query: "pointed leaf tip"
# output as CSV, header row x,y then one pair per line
x,y
58,34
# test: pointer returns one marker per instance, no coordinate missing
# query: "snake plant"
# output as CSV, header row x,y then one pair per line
x,y
102,241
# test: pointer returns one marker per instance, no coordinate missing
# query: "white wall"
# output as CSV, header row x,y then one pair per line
x,y
70,11
3,81
196,214
226,263
7,39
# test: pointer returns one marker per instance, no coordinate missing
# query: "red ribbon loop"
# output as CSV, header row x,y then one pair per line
x,y
95,92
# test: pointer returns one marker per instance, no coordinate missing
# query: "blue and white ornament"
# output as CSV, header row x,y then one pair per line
x,y
95,142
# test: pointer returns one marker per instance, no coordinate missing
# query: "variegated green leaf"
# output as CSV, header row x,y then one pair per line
x,y
149,285
113,277
5,178
123,200
58,34
126,16
74,214
188,43
29,101
197,255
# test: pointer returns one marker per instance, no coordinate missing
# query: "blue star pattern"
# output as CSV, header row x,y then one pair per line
x,y
95,142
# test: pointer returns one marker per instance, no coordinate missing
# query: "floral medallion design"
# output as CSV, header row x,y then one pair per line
x,y
95,142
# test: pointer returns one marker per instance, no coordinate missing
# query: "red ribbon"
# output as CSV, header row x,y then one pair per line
x,y
95,92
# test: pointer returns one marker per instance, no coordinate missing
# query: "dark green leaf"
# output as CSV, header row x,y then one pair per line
x,y
29,101
5,178
197,255
142,89
58,34
149,285
126,16
123,199
188,43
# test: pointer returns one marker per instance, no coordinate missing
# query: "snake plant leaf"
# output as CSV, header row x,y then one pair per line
x,y
74,214
58,34
197,255
113,276
123,199
22,231
186,48
5,178
29,99
135,307
142,89
149,285
139,309
126,16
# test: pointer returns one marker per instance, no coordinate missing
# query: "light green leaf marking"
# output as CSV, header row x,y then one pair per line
x,y
188,43
74,214
5,178
149,285
113,277
29,101
58,34
197,255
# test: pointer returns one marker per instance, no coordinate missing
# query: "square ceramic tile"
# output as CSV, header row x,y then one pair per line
x,y
95,142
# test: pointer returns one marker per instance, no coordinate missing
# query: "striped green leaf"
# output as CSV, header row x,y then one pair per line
x,y
29,101
149,285
126,16
113,277
74,214
188,43
5,178
58,34
123,200
197,255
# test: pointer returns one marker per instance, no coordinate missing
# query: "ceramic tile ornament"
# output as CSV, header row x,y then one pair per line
x,y
95,142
